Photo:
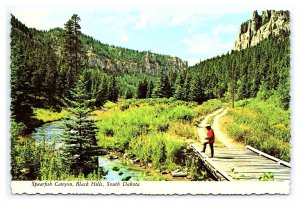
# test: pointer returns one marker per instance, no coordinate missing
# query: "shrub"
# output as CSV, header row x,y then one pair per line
x,y
181,113
48,115
185,130
109,105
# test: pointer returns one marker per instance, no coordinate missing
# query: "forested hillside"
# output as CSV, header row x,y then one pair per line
x,y
263,68
45,65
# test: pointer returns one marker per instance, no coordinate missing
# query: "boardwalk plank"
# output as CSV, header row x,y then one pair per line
x,y
247,164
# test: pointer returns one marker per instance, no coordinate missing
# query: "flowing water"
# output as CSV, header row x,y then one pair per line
x,y
116,171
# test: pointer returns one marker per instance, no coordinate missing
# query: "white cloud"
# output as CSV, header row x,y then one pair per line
x,y
33,18
222,29
180,18
168,18
42,19
144,19
212,42
193,61
123,37
206,44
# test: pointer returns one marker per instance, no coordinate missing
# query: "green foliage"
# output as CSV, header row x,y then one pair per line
x,y
29,78
267,177
113,91
182,113
48,115
72,51
32,159
109,105
152,130
100,87
156,148
196,168
260,70
128,84
263,125
196,93
46,64
40,159
183,129
142,89
16,163
80,149
162,88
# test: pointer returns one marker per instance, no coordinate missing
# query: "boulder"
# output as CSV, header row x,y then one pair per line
x,y
179,173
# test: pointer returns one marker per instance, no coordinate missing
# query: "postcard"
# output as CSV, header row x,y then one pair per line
x,y
153,101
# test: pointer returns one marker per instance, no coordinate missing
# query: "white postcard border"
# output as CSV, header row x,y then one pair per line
x,y
150,187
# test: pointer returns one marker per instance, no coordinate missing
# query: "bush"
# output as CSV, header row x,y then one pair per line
x,y
109,105
48,116
181,113
156,148
185,130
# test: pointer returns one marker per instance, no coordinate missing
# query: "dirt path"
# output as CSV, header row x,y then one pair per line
x,y
221,138
234,160
201,128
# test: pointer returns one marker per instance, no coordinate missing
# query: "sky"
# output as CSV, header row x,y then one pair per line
x,y
191,34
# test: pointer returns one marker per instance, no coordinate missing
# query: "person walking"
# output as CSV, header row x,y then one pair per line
x,y
210,140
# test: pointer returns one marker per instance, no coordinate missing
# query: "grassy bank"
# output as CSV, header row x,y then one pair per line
x,y
261,124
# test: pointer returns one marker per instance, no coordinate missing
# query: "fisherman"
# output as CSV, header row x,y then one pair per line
x,y
210,140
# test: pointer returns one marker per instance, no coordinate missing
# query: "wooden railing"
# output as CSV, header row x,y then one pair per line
x,y
284,163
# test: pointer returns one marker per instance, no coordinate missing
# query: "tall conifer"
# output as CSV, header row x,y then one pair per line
x,y
79,139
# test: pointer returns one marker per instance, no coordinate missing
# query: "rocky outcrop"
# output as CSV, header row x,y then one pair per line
x,y
258,28
148,63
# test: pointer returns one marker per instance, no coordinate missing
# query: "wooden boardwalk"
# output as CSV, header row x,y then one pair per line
x,y
242,163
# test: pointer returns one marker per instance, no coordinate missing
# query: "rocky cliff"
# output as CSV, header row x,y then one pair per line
x,y
119,60
258,28
143,62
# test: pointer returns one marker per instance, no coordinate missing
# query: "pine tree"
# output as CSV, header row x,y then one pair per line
x,y
162,87
50,83
21,74
113,91
101,95
178,86
72,50
142,88
172,80
186,88
150,89
80,148
196,92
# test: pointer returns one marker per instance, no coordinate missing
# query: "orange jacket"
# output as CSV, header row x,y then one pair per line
x,y
210,136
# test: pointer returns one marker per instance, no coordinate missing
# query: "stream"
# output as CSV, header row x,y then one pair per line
x,y
116,170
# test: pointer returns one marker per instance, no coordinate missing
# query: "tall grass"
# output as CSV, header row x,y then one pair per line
x,y
153,130
47,115
263,125
156,148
